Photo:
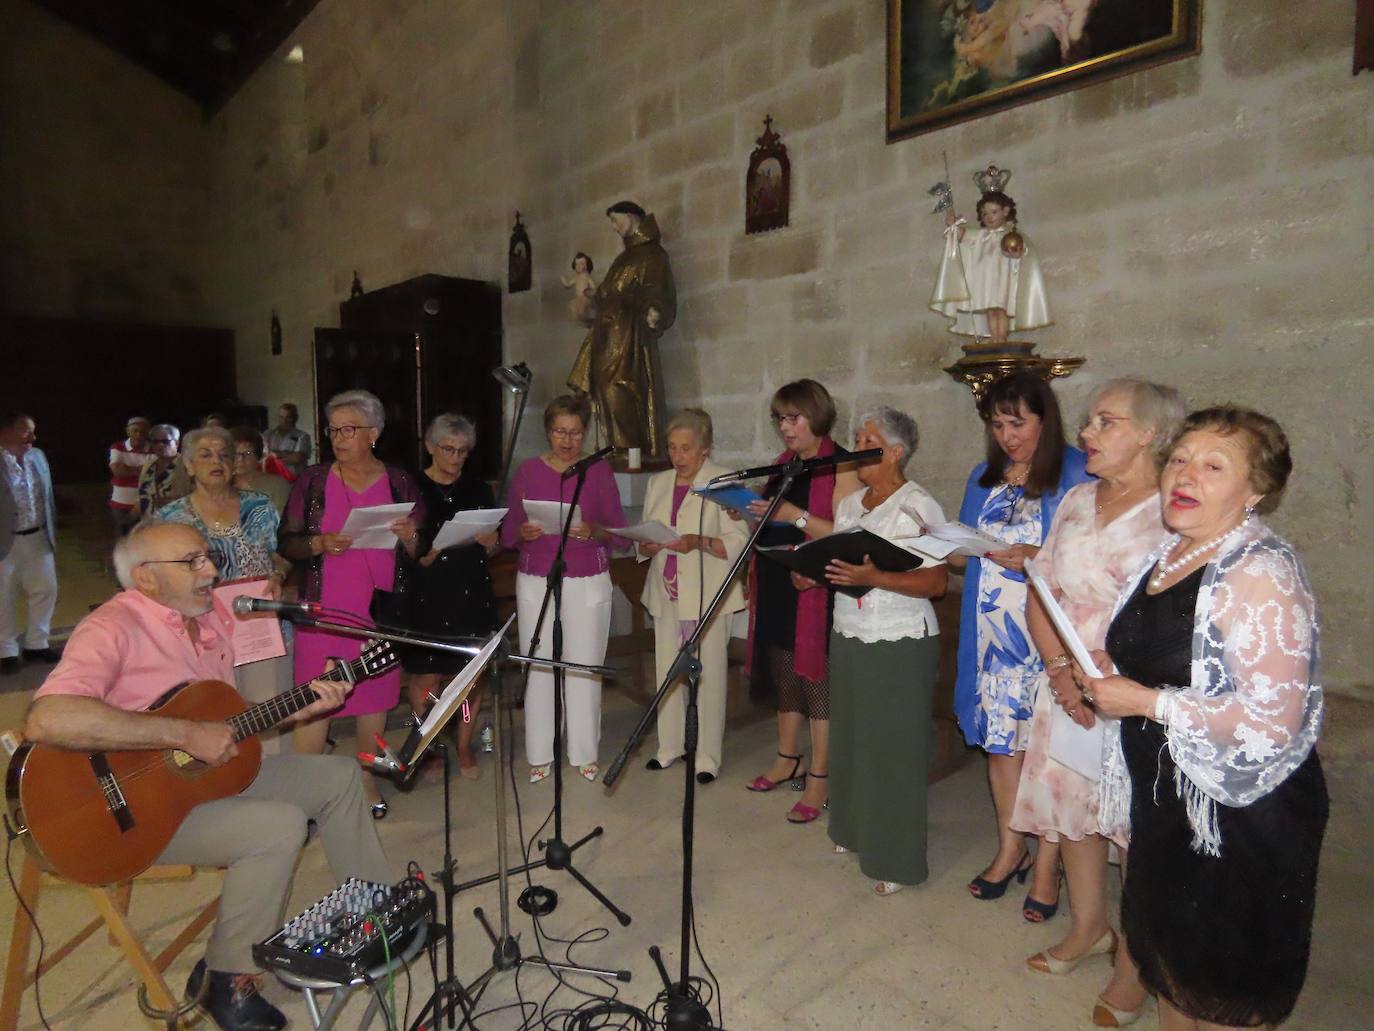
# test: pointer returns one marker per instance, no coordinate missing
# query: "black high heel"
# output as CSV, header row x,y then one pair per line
x,y
988,890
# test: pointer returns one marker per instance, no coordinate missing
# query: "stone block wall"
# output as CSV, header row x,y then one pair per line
x,y
105,173
1206,223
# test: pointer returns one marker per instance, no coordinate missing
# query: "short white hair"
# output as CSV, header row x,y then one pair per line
x,y
1154,406
441,427
894,426
133,549
364,400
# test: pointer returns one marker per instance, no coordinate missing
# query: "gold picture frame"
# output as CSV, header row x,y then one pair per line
x,y
949,61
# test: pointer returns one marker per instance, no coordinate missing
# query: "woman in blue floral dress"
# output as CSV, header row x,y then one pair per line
x,y
1012,496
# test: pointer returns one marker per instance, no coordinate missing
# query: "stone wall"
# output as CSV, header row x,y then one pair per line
x,y
104,169
1206,223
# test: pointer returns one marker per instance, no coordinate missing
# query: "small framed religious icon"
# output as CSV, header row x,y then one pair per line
x,y
520,266
768,183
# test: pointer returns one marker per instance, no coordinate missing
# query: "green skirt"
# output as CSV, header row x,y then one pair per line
x,y
880,747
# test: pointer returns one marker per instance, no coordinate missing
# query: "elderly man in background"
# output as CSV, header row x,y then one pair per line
x,y
127,459
289,444
28,526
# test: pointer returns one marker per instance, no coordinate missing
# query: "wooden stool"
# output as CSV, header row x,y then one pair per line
x,y
111,903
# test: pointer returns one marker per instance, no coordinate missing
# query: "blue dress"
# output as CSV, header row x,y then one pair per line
x,y
998,663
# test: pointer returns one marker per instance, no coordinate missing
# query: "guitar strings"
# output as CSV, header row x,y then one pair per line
x,y
138,772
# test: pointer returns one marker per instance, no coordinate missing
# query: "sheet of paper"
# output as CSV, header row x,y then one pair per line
x,y
258,634
966,540
652,532
453,695
1067,633
1072,746
550,514
466,526
369,526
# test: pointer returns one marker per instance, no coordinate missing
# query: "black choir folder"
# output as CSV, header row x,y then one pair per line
x,y
811,558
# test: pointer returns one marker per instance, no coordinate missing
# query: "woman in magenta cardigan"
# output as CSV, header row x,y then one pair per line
x,y
789,632
586,586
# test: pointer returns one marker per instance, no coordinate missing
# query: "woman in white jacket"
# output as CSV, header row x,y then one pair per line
x,y
683,578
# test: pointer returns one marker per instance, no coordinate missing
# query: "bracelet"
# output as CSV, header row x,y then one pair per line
x,y
1058,662
1161,713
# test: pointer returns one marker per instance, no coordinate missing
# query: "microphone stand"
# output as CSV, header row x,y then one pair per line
x,y
557,852
684,1010
450,992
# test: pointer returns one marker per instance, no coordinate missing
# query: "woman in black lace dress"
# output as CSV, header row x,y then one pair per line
x,y
452,592
1219,706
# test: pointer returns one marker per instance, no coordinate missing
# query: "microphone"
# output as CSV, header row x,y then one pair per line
x,y
244,605
806,465
583,464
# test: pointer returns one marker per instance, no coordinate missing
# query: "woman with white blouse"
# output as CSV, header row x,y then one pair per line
x,y
884,661
682,580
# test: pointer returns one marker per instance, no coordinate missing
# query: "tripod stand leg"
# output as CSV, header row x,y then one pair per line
x,y
595,893
571,968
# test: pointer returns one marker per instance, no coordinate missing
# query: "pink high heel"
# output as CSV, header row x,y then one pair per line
x,y
762,783
803,813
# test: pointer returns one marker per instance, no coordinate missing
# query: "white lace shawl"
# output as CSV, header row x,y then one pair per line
x,y
1254,708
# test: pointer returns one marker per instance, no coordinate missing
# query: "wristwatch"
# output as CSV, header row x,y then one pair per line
x,y
800,521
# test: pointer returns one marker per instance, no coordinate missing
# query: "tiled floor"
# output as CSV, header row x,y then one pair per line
x,y
794,933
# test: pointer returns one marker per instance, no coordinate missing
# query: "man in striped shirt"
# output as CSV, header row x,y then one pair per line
x,y
127,459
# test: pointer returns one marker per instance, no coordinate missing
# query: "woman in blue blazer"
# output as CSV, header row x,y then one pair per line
x,y
1012,496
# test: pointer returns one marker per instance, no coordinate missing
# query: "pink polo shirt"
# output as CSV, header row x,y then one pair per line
x,y
132,650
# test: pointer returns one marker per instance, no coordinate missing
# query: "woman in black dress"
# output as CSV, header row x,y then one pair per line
x,y
1219,705
452,592
789,632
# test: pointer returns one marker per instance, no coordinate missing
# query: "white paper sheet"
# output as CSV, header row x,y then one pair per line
x,y
1067,633
1073,746
652,532
369,526
955,538
256,635
466,526
550,514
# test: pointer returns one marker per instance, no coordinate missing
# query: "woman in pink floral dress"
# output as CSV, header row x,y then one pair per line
x,y
1101,533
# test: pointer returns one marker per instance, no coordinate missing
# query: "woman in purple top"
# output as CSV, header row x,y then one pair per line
x,y
586,586
343,577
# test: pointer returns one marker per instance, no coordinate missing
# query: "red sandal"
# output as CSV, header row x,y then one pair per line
x,y
803,813
762,783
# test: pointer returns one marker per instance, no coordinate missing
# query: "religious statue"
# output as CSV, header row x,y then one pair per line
x,y
583,286
634,305
989,280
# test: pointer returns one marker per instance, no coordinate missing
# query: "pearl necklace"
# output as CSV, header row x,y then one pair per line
x,y
1163,570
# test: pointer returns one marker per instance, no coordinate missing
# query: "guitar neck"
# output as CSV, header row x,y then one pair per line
x,y
260,717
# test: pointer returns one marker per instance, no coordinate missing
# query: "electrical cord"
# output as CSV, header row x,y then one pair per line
x,y
10,835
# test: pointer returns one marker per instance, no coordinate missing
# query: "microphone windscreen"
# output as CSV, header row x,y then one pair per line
x,y
243,605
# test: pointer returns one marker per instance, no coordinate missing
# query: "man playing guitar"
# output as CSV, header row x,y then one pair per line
x,y
162,630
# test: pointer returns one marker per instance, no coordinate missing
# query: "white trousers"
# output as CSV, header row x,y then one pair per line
x,y
586,625
672,713
29,567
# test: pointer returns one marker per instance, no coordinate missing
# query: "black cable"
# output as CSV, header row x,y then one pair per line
x,y
10,835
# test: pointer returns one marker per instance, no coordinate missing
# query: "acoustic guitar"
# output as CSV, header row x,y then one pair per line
x,y
103,817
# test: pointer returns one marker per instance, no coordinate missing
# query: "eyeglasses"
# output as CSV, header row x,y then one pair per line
x,y
247,456
159,440
1101,423
568,434
453,452
196,562
347,432
788,419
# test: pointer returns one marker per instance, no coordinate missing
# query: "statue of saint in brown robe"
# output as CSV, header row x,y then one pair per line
x,y
618,364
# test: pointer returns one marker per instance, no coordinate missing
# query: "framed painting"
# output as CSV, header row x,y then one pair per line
x,y
952,60
767,183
